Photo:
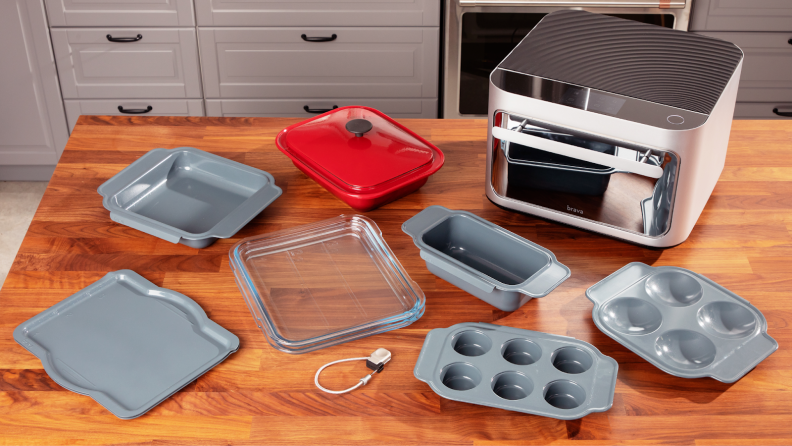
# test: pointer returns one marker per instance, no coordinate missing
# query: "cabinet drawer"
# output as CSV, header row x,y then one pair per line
x,y
358,63
318,12
105,107
395,108
762,110
162,64
120,13
741,15
767,68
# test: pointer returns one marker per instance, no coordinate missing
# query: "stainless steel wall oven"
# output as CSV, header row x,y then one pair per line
x,y
480,33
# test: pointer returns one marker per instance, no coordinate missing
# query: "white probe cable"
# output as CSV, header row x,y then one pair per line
x,y
376,362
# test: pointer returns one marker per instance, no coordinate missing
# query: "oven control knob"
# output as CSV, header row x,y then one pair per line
x,y
676,119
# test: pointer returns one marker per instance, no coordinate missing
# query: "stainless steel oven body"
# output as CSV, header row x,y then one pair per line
x,y
464,90
620,136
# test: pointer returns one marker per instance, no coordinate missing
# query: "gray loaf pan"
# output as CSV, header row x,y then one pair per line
x,y
126,342
520,370
489,262
187,196
682,322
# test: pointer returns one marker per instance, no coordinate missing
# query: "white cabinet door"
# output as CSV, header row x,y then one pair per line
x,y
32,123
120,12
151,63
318,12
131,107
307,108
271,63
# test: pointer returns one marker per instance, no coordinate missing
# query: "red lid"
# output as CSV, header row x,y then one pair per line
x,y
359,148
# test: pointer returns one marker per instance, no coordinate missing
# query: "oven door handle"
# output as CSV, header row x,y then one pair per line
x,y
620,164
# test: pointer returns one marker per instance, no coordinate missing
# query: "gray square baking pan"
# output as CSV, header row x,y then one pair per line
x,y
489,262
520,370
187,196
126,342
682,322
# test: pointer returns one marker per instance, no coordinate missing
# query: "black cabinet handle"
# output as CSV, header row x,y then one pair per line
x,y
789,41
319,39
784,114
124,39
134,111
319,110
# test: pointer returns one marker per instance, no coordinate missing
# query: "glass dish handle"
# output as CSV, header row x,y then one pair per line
x,y
620,164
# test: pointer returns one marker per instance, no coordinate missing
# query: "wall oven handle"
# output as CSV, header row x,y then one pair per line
x,y
620,164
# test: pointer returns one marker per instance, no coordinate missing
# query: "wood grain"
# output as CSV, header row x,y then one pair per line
x,y
259,395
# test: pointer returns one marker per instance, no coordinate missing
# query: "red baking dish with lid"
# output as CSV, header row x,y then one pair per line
x,y
360,155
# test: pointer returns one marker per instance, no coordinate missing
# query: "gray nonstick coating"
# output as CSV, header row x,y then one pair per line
x,y
126,342
187,196
489,262
682,322
520,370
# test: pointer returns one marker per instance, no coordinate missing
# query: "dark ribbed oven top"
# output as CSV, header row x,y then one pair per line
x,y
629,58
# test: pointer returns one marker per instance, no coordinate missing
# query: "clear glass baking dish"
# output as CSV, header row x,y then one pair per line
x,y
325,283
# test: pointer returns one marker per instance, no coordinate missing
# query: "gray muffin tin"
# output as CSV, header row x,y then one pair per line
x,y
520,370
682,322
126,342
187,196
489,262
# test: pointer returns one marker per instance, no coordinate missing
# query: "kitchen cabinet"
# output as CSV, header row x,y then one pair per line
x,y
127,62
318,12
358,62
33,128
149,107
246,57
120,13
308,107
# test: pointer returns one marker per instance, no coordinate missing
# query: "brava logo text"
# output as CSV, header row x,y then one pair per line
x,y
577,211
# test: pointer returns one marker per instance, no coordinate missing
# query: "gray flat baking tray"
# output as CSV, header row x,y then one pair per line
x,y
126,342
187,196
489,262
520,370
682,322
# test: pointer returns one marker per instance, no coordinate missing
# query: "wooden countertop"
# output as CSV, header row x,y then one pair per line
x,y
259,395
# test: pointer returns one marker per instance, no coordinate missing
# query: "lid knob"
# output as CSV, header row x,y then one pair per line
x,y
358,126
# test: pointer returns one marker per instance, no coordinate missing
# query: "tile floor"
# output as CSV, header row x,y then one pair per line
x,y
18,202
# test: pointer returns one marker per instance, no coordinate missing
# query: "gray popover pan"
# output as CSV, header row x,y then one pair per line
x,y
521,370
682,322
126,342
489,262
187,196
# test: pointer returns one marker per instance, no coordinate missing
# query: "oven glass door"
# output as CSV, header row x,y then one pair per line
x,y
630,188
488,37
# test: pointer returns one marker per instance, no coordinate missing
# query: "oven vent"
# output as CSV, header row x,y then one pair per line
x,y
639,60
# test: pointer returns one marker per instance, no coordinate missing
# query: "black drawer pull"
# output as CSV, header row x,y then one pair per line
x,y
784,114
319,39
134,111
319,110
124,39
789,41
